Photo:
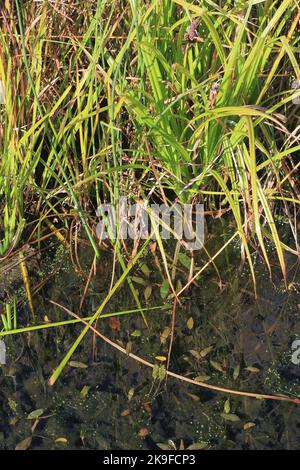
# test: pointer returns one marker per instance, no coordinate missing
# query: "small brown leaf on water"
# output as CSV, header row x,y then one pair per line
x,y
130,394
147,406
114,323
249,425
143,432
125,413
25,444
153,247
164,335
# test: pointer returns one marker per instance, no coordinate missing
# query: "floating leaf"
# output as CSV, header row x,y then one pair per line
x,y
249,425
129,347
161,358
202,378
139,280
61,440
85,390
35,414
125,413
216,365
172,444
162,373
78,365
164,335
145,270
136,333
190,323
185,260
148,292
254,370
12,404
230,417
164,289
198,446
196,354
25,444
163,446
236,372
227,406
155,372
178,285
206,351
130,394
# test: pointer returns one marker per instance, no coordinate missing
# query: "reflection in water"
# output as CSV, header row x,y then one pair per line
x,y
236,341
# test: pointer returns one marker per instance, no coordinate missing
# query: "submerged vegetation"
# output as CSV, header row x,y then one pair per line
x,y
168,101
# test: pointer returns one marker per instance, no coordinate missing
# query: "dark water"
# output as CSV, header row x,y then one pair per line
x,y
114,403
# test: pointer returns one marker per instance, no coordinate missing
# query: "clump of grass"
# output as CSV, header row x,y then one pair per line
x,y
175,100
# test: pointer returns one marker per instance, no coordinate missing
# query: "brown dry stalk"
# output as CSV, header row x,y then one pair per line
x,y
178,376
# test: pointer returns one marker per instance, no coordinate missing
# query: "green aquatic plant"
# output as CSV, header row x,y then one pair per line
x,y
168,101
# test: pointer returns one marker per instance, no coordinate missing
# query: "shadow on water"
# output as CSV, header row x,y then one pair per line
x,y
105,400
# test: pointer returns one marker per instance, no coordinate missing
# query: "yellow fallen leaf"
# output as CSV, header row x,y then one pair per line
x,y
190,323
61,440
161,358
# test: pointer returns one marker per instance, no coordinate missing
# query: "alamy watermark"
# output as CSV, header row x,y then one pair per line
x,y
296,87
2,92
296,352
143,220
2,353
